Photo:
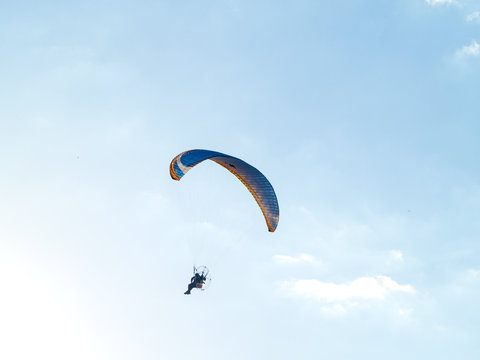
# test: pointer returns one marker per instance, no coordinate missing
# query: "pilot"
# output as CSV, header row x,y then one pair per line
x,y
194,281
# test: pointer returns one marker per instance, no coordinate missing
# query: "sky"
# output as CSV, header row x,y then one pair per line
x,y
362,114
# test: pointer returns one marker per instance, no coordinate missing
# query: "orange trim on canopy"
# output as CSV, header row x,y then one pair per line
x,y
252,191
172,170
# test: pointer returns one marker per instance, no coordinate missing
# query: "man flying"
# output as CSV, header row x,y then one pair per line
x,y
196,281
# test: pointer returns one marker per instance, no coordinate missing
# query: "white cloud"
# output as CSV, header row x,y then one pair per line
x,y
335,310
154,197
396,255
472,274
440,2
286,259
336,299
469,50
205,225
474,17
404,313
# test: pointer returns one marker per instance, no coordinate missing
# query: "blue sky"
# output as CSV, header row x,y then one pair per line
x,y
364,117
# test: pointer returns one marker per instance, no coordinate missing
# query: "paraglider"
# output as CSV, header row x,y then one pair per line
x,y
258,185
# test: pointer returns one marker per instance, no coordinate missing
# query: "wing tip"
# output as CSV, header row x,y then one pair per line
x,y
172,173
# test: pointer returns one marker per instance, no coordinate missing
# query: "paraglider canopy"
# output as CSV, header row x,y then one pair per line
x,y
254,180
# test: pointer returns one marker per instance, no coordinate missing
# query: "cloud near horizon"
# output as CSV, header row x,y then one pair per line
x,y
337,298
396,255
287,259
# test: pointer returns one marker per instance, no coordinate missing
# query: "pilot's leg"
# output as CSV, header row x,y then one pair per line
x,y
190,287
